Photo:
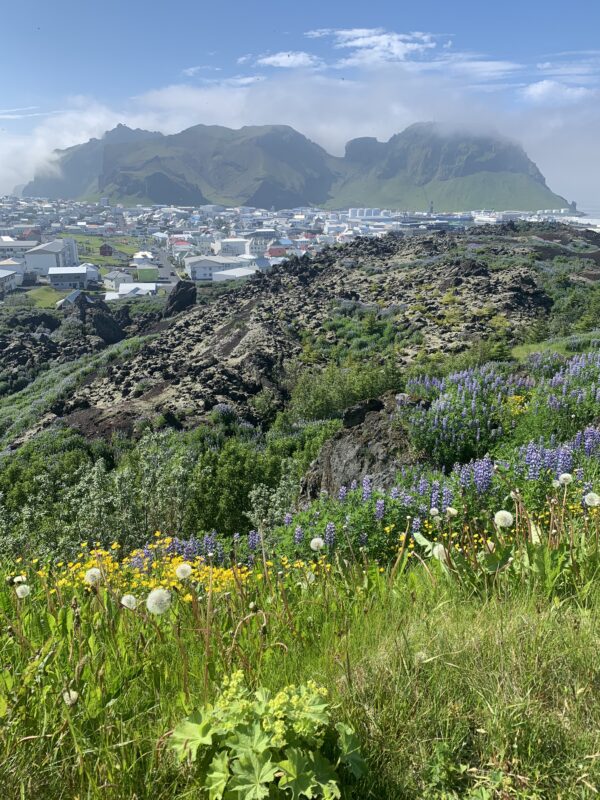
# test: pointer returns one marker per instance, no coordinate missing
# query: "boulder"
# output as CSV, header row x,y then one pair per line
x,y
181,298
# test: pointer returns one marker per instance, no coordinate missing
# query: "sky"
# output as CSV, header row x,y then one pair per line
x,y
530,70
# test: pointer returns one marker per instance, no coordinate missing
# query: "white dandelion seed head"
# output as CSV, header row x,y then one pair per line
x,y
565,479
317,544
451,512
592,500
440,553
20,579
158,601
129,601
503,519
70,696
555,484
183,571
92,577
435,512
23,590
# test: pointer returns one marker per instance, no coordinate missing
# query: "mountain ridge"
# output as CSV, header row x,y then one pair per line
x,y
276,166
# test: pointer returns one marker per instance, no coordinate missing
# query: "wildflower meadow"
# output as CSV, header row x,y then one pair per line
x,y
436,638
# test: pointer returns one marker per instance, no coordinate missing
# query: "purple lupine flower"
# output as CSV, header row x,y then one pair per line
x,y
353,486
367,489
379,509
342,493
447,497
287,520
416,525
298,535
253,540
330,534
395,493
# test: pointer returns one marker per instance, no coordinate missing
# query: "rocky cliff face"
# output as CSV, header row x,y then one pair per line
x,y
274,165
231,350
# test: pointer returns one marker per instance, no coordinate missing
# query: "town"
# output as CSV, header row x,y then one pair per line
x,y
48,248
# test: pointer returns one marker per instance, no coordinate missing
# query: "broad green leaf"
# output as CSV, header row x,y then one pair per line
x,y
350,750
325,775
3,705
331,791
217,776
191,734
253,774
250,739
298,776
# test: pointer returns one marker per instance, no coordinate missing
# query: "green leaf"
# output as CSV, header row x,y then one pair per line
x,y
350,750
191,734
298,776
253,774
250,739
325,775
217,776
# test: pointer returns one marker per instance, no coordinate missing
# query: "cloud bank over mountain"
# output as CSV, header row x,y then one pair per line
x,y
348,83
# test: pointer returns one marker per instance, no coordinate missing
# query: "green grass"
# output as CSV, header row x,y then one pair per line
x,y
89,248
454,693
45,296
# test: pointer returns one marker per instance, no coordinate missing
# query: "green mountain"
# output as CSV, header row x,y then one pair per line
x,y
275,166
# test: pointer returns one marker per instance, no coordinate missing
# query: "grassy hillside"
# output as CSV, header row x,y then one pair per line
x,y
181,620
500,191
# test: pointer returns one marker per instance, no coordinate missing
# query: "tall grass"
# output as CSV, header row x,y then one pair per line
x,y
458,689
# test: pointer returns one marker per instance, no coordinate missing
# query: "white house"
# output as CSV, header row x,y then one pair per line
x,y
234,274
68,277
232,247
201,268
14,265
59,253
115,278
141,257
14,248
131,290
9,280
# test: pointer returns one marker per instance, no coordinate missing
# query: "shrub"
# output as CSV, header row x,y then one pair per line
x,y
260,745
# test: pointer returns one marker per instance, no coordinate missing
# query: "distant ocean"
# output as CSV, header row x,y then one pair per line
x,y
591,211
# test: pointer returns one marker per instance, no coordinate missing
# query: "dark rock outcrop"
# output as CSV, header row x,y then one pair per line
x,y
181,298
374,445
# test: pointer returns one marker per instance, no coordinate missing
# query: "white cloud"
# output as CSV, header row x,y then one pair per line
x,y
374,46
191,72
289,59
395,80
549,92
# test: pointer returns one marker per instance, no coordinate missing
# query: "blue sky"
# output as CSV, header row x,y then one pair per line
x,y
334,70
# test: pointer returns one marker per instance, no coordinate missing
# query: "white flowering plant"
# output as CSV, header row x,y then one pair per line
x,y
259,744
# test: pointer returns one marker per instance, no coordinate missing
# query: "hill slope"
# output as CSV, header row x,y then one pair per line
x,y
275,166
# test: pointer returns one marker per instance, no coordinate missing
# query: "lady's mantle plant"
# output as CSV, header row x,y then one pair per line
x,y
252,745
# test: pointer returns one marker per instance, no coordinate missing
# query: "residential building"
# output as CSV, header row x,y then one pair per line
x,y
201,268
14,248
9,280
59,253
232,247
115,278
131,290
68,277
234,274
